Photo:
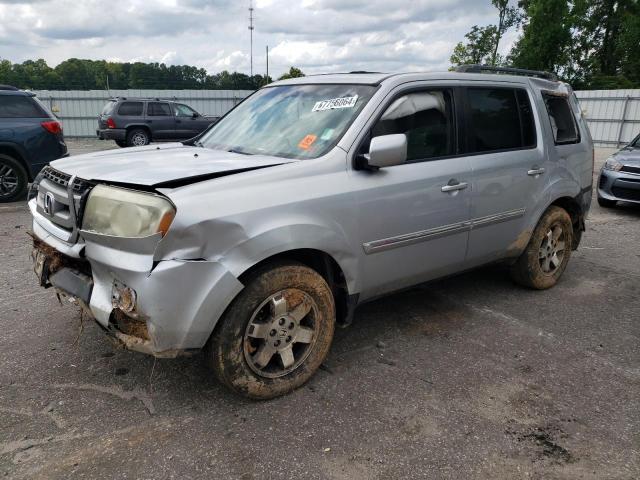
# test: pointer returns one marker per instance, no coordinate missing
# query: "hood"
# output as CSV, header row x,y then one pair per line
x,y
167,165
629,157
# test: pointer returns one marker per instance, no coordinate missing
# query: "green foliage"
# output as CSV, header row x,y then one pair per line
x,y
79,74
546,37
292,73
483,42
593,44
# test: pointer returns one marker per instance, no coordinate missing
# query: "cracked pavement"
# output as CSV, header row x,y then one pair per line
x,y
467,377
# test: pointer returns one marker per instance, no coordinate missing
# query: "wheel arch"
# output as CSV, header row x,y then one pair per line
x,y
14,151
325,265
572,206
138,126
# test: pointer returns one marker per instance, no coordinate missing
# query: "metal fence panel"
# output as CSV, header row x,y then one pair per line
x,y
78,109
613,116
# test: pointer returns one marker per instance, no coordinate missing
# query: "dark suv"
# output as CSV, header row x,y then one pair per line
x,y
134,122
30,138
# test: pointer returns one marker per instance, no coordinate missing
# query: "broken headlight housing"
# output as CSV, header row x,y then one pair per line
x,y
612,164
126,213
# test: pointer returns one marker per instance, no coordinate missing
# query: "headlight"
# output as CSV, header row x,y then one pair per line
x,y
612,164
126,213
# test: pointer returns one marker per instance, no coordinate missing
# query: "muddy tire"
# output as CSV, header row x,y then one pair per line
x,y
548,252
275,334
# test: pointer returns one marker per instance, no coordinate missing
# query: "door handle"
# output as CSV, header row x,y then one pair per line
x,y
535,171
453,186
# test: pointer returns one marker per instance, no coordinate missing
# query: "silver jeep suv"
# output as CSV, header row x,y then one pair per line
x,y
313,196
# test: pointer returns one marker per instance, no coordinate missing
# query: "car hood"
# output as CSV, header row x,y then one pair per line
x,y
165,165
629,157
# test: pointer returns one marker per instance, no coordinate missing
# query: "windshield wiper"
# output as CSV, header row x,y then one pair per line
x,y
235,150
198,143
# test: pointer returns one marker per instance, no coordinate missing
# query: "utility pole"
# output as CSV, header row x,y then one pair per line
x,y
267,79
251,33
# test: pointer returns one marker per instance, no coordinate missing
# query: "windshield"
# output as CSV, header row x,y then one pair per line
x,y
291,121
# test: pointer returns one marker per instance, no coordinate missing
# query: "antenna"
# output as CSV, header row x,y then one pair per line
x,y
251,33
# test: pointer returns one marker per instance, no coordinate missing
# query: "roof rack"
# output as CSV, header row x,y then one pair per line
x,y
507,71
9,87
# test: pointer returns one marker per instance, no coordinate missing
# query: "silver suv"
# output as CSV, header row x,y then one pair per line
x,y
313,196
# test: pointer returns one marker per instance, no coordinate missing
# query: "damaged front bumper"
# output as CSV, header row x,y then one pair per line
x,y
164,308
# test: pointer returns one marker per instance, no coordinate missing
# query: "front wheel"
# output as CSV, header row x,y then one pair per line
x,y
546,257
275,334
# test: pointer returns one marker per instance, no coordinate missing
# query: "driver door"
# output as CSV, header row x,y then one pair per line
x,y
414,217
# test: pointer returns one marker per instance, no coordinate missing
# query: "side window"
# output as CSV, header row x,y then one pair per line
x,y
427,120
562,120
501,119
158,109
18,106
130,109
183,110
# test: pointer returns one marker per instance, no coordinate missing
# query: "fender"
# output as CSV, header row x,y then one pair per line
x,y
247,253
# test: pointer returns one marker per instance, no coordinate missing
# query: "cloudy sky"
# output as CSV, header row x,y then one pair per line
x,y
315,35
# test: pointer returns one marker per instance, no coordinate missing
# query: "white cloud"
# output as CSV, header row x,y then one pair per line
x,y
315,35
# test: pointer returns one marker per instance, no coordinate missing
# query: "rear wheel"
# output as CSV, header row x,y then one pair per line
x,y
275,334
13,179
138,137
546,257
604,203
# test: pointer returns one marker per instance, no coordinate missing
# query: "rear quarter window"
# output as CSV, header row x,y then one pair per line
x,y
17,106
130,109
108,108
563,123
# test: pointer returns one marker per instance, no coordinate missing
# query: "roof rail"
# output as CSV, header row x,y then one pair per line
x,y
9,87
507,71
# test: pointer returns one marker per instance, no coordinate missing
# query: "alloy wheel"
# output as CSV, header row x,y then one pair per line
x,y
281,333
551,251
8,181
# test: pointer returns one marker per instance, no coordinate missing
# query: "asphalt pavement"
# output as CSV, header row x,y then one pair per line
x,y
467,377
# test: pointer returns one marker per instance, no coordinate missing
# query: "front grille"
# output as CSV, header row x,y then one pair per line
x,y
626,193
79,185
630,169
54,202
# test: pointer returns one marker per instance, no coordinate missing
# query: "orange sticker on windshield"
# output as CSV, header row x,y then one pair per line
x,y
307,141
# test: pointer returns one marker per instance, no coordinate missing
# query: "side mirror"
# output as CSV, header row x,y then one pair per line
x,y
388,150
195,115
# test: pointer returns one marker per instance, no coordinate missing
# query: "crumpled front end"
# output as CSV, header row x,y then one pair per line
x,y
160,307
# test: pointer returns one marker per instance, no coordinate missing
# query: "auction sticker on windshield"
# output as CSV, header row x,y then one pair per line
x,y
307,141
342,102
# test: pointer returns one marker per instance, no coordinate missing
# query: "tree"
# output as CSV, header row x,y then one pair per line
x,y
546,37
292,73
478,49
483,42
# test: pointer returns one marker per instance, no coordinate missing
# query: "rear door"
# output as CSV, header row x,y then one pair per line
x,y
161,120
510,168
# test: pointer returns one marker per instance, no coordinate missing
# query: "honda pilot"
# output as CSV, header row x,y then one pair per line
x,y
311,197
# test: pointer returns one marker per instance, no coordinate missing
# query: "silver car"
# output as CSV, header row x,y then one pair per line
x,y
620,176
313,196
